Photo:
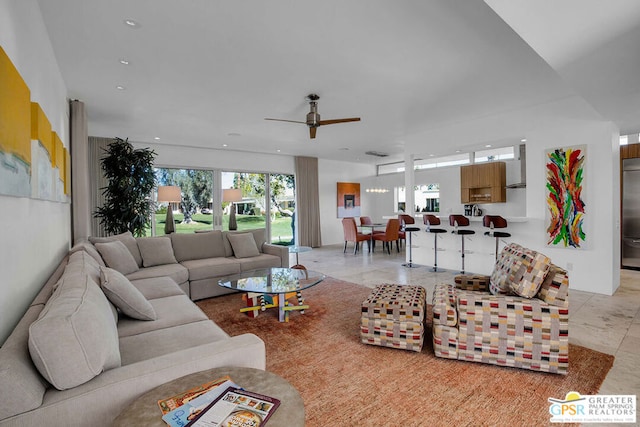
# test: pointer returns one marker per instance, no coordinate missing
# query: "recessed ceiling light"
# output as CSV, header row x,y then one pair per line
x,y
458,151
278,151
121,87
224,145
157,138
124,62
132,24
488,146
431,155
523,140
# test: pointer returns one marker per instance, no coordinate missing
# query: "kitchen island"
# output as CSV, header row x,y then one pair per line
x,y
479,249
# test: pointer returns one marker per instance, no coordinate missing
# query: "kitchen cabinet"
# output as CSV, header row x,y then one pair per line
x,y
483,183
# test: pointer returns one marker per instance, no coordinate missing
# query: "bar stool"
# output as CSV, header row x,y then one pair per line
x,y
457,221
495,221
430,220
404,219
408,219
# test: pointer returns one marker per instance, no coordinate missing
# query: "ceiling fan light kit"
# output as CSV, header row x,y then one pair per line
x,y
313,117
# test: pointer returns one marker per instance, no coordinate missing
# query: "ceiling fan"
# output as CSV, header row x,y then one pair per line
x,y
313,118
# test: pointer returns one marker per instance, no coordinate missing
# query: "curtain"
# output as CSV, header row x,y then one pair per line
x,y
308,203
80,192
97,147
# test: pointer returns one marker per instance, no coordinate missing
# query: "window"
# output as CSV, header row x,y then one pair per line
x,y
426,198
439,162
504,153
197,212
194,211
283,208
252,209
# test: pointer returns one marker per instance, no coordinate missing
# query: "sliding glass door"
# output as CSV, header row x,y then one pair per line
x,y
247,200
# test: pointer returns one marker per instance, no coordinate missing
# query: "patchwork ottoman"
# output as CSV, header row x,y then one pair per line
x,y
393,316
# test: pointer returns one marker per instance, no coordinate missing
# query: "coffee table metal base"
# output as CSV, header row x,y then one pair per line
x,y
257,302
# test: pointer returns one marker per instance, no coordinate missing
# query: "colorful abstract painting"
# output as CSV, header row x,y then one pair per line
x,y
565,204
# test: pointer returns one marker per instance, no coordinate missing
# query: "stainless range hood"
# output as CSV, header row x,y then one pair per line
x,y
523,169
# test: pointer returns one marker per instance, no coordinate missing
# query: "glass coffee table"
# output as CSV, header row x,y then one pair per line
x,y
273,287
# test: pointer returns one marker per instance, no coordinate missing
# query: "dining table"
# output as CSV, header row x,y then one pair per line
x,y
372,228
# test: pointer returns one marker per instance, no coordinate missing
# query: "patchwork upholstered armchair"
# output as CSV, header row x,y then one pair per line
x,y
518,316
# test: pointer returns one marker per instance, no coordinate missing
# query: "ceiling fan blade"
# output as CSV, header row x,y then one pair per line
x,y
290,121
334,121
312,132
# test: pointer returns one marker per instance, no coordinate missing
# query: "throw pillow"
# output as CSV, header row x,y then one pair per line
x,y
555,288
529,273
156,251
126,238
75,337
188,246
116,255
125,296
501,275
244,245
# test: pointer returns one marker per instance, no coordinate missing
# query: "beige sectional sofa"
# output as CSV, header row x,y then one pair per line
x,y
95,338
196,260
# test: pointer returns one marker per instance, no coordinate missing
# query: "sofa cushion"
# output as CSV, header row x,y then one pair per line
x,y
157,287
555,287
124,295
244,245
126,238
172,311
188,246
21,386
212,267
260,261
156,343
156,251
81,263
117,256
75,337
177,272
88,248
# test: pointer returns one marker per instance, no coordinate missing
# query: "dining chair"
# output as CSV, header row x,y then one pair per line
x,y
351,234
390,235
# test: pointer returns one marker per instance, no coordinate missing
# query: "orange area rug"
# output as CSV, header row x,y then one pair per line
x,y
346,383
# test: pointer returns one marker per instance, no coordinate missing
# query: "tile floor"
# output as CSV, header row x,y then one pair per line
x,y
610,324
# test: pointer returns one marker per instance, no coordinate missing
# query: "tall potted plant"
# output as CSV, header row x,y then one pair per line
x,y
131,180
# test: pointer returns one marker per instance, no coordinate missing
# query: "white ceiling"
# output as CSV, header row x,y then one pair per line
x,y
207,72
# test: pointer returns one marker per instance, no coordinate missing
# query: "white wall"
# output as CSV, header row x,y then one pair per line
x,y
330,173
566,122
236,161
35,234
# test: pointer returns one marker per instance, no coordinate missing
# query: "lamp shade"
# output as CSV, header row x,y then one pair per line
x,y
232,195
169,193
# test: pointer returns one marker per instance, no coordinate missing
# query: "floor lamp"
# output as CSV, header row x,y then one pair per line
x,y
232,195
170,194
